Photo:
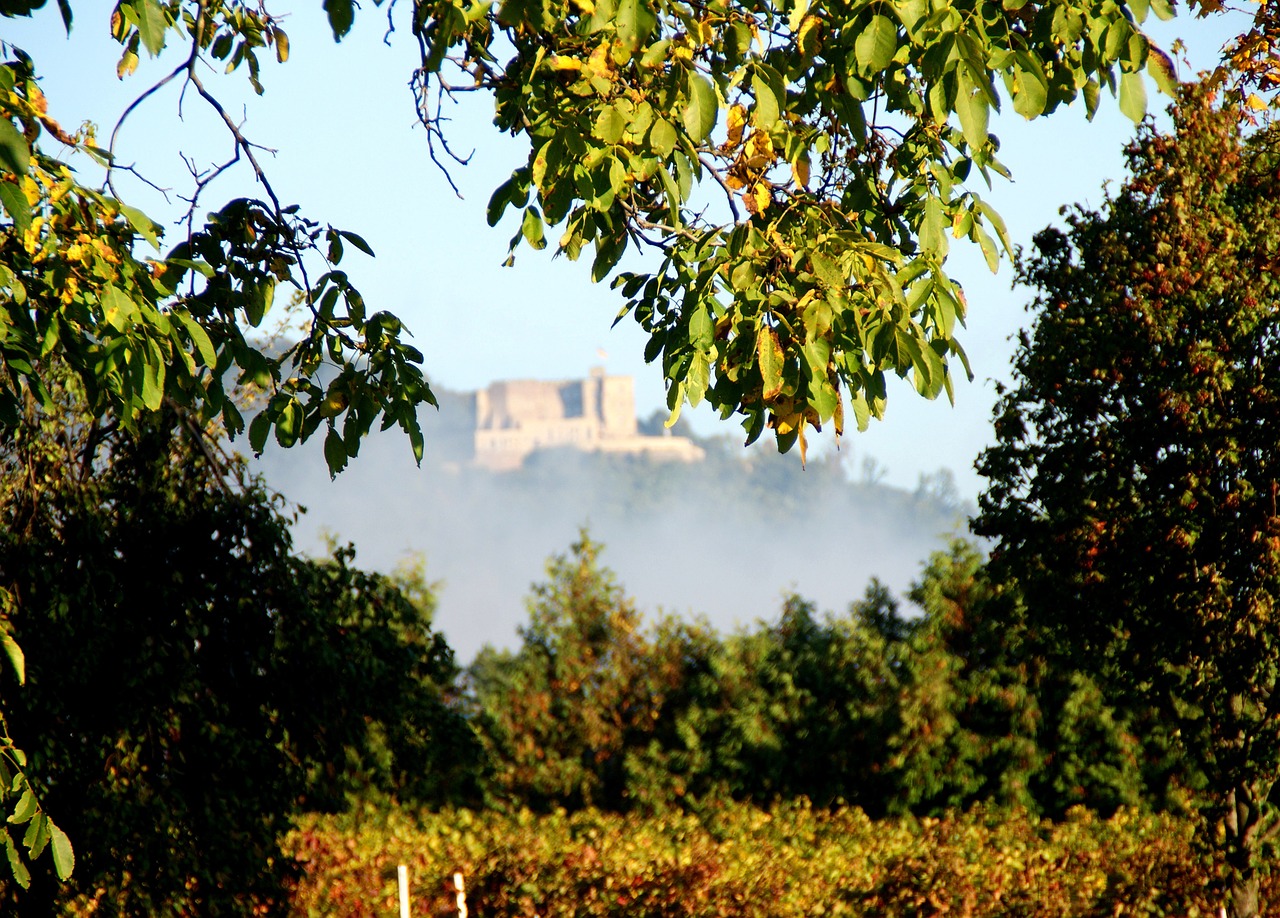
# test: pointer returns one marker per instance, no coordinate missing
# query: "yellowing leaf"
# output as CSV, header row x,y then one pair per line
x,y
127,65
807,39
800,171
769,355
760,151
762,194
736,121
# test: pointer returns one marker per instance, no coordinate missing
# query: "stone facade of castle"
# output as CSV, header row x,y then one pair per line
x,y
516,417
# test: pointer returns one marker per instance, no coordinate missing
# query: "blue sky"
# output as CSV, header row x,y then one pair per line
x,y
350,153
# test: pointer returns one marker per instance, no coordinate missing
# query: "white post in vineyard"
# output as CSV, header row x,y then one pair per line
x,y
462,895
402,875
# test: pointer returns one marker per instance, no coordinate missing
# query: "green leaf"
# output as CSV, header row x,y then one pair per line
x,y
199,337
1090,91
1033,88
16,658
828,272
701,329
610,125
152,378
767,107
531,229
1133,96
259,428
26,808
1163,9
257,300
289,423
634,22
64,856
335,452
971,106
663,137
988,246
341,15
15,155
152,25
698,379
15,204
37,835
21,875
142,224
499,200
357,241
875,47
817,356
656,53
861,409
769,357
1136,51
933,229
824,398
117,308
702,109
609,251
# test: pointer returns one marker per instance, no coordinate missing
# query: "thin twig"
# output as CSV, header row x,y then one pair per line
x,y
728,192
111,147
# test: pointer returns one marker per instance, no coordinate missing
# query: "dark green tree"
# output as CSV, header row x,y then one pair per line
x,y
561,715
191,682
1021,730
1133,487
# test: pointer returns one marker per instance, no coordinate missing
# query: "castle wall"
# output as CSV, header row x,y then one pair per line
x,y
515,417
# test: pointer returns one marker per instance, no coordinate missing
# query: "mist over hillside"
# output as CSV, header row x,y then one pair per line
x,y
725,538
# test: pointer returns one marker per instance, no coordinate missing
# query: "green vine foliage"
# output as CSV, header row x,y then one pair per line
x,y
744,861
798,169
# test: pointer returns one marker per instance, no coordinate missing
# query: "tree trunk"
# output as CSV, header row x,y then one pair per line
x,y
1244,897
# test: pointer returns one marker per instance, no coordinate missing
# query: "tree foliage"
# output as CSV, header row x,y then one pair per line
x,y
191,683
84,276
890,713
799,168
1132,488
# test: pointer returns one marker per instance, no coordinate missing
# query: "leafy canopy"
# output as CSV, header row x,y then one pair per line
x,y
798,168
84,277
1133,484
204,683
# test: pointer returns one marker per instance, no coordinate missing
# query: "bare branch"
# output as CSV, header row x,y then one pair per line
x,y
115,132
728,192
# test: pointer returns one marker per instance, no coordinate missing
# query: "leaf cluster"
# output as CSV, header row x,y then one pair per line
x,y
841,135
139,329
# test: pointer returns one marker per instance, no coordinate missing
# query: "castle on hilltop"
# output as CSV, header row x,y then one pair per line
x,y
514,418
